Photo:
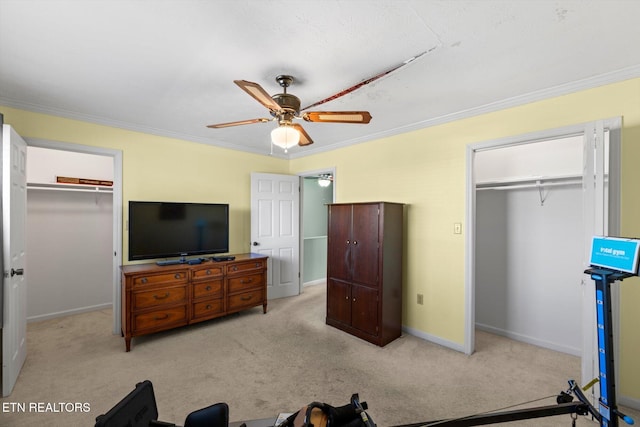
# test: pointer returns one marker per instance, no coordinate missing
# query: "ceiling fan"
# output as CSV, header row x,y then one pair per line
x,y
285,107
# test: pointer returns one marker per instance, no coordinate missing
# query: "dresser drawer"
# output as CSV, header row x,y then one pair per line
x,y
246,266
207,273
207,289
237,284
246,299
160,296
159,319
174,277
208,308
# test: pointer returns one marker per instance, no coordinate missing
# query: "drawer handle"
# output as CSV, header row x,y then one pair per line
x,y
243,281
258,264
234,268
166,295
247,298
208,272
208,288
208,307
166,316
177,276
144,280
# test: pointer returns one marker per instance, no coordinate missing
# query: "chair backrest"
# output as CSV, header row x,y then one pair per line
x,y
212,416
137,409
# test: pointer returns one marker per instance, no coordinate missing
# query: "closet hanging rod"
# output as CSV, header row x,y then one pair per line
x,y
532,185
94,190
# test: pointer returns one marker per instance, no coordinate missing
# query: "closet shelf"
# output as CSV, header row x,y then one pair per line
x,y
69,187
530,182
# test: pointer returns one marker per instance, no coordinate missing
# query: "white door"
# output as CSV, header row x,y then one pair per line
x,y
14,207
275,231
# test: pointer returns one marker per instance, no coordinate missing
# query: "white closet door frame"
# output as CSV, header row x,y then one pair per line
x,y
595,210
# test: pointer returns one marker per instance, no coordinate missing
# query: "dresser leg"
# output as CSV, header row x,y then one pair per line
x,y
127,342
264,308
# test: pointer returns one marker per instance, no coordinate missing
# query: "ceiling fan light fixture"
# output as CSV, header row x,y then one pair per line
x,y
285,137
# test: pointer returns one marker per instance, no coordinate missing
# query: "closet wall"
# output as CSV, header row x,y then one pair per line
x,y
69,234
529,243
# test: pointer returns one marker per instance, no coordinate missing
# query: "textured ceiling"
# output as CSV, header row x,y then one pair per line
x,y
167,66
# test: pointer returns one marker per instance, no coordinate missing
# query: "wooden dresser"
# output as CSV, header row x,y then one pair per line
x,y
156,298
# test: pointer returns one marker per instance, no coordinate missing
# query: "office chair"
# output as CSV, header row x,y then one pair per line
x,y
212,416
137,409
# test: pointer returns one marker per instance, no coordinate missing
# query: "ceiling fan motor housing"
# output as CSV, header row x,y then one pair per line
x,y
288,102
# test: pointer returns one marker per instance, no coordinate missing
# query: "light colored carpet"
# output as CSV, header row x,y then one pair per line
x,y
265,364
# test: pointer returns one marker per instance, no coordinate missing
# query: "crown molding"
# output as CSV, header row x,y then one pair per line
x,y
539,95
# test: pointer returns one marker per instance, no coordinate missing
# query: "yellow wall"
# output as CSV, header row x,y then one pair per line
x,y
159,168
424,169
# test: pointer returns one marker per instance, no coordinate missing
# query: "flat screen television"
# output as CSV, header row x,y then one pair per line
x,y
171,229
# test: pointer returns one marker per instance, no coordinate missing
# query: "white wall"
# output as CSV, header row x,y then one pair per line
x,y
558,157
69,236
529,254
44,165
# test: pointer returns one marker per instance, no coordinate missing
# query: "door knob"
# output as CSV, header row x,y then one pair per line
x,y
256,244
18,272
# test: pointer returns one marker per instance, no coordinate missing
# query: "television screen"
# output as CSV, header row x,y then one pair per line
x,y
170,229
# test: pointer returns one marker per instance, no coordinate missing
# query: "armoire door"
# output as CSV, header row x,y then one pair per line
x,y
364,309
339,242
339,301
364,244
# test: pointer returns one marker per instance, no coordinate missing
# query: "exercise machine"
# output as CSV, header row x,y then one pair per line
x,y
612,259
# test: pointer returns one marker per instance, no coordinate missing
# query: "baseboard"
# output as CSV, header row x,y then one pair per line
x,y
434,339
68,312
315,282
629,402
530,340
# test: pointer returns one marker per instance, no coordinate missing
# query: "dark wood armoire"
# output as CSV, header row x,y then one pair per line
x,y
364,270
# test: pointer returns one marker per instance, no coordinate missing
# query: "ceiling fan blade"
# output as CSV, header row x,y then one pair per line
x,y
362,117
305,139
259,94
241,122
366,82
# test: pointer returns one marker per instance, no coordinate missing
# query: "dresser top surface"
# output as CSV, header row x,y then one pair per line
x,y
153,267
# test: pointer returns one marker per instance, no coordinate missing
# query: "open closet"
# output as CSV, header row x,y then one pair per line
x,y
69,234
530,240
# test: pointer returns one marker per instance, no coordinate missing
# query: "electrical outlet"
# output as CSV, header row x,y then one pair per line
x,y
457,228
420,299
